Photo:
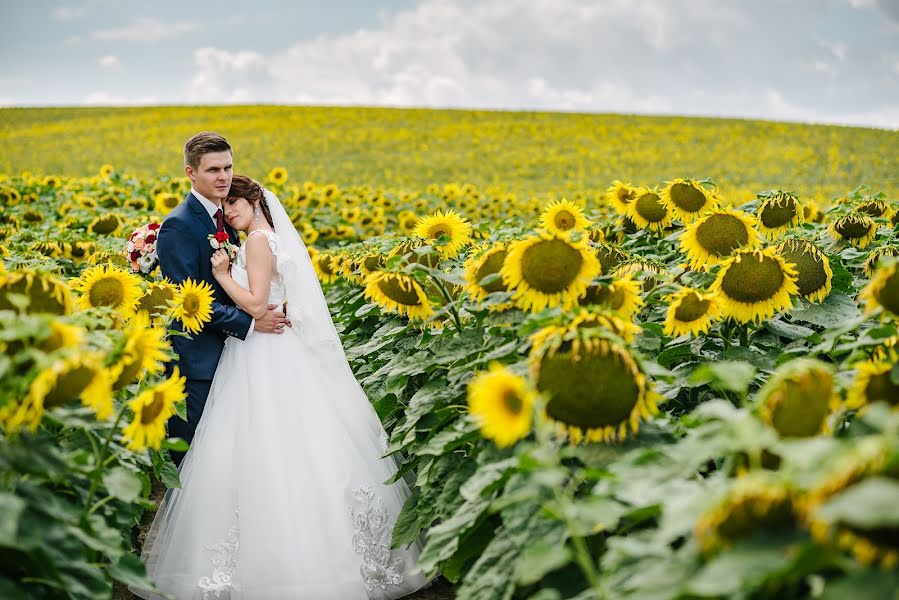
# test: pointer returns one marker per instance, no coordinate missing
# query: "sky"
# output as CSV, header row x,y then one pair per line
x,y
822,61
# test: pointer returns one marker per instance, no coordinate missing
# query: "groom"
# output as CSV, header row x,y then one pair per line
x,y
184,252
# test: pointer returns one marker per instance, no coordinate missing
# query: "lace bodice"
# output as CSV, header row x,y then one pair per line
x,y
277,292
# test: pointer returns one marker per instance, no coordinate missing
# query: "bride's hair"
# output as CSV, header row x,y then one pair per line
x,y
245,187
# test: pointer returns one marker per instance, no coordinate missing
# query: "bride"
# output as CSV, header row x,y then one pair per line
x,y
283,494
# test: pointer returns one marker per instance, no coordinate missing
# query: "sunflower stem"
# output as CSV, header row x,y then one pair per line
x,y
95,474
744,331
449,302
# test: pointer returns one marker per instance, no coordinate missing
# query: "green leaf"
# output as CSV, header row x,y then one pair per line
x,y
789,330
538,559
175,444
11,508
443,539
169,475
870,584
122,484
486,478
408,523
867,505
836,309
729,375
130,570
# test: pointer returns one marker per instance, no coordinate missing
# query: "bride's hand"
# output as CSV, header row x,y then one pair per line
x,y
220,262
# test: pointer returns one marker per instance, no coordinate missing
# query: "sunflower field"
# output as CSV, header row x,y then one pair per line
x,y
619,357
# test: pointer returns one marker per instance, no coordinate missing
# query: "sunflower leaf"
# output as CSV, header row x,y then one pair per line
x,y
870,504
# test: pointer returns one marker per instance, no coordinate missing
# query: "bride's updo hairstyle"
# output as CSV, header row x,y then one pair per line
x,y
249,189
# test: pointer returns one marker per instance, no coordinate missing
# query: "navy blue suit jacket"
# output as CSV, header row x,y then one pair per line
x,y
184,251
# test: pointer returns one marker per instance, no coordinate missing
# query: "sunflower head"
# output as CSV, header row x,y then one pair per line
x,y
152,409
107,224
855,229
193,305
157,298
814,277
327,267
277,176
609,257
106,285
710,239
691,312
754,285
164,202
145,350
622,296
62,335
647,211
479,267
687,200
79,251
46,293
798,398
883,290
411,250
874,381
563,217
754,503
448,226
876,255
398,293
594,388
778,212
620,195
875,208
546,271
502,403
872,463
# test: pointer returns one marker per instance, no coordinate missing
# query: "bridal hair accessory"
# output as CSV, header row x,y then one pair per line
x,y
141,249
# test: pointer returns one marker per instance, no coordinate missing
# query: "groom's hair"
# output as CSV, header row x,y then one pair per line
x,y
205,142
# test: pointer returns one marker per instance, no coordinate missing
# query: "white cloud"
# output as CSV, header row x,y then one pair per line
x,y
67,13
110,62
104,98
143,29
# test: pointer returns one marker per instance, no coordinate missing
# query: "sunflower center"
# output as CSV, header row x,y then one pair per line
x,y
150,411
881,388
191,305
753,514
650,208
777,214
874,209
107,291
888,294
564,220
609,258
687,198
324,263
492,265
802,405
721,234
69,385
373,262
512,402
625,195
811,275
588,389
550,266
690,308
393,287
438,230
106,224
753,279
852,228
131,365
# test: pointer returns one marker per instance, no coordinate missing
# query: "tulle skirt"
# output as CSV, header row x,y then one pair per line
x,y
282,490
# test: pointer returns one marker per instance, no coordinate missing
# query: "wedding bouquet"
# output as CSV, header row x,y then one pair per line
x,y
141,249
220,240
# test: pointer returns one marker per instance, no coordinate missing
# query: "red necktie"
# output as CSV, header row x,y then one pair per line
x,y
220,220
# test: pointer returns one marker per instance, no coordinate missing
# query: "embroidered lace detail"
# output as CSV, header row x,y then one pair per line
x,y
277,291
371,540
384,439
224,563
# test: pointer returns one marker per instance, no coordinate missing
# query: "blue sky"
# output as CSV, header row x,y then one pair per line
x,y
834,61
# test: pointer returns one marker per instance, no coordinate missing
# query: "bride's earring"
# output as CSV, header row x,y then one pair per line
x,y
257,214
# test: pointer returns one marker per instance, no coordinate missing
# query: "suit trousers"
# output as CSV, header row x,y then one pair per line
x,y
197,392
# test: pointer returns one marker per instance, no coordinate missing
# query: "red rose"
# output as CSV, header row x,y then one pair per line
x,y
135,255
150,238
221,236
154,226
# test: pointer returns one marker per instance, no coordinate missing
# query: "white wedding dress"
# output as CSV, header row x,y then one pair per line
x,y
283,494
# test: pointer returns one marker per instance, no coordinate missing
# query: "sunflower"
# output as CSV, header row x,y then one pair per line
x,y
755,503
109,286
870,543
278,176
874,382
753,285
78,251
407,221
798,398
46,293
502,403
874,257
107,224
399,293
883,289
609,257
480,266
622,296
710,239
814,275
594,388
620,195
193,305
687,200
164,202
410,250
811,213
308,233
855,230
156,298
76,376
647,211
62,335
691,312
875,207
145,350
778,212
152,409
449,224
106,171
563,217
546,271
369,263
586,318
86,202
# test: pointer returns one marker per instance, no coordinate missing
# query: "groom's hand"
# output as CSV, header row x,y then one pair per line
x,y
273,321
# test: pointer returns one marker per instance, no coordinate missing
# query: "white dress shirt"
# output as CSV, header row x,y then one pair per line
x,y
213,208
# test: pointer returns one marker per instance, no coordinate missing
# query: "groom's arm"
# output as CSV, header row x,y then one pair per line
x,y
179,260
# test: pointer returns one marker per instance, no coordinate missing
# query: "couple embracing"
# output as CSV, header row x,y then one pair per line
x,y
283,492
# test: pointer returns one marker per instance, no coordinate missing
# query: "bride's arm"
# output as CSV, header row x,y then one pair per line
x,y
259,271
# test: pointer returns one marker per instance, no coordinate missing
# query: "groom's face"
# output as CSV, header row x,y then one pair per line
x,y
212,178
